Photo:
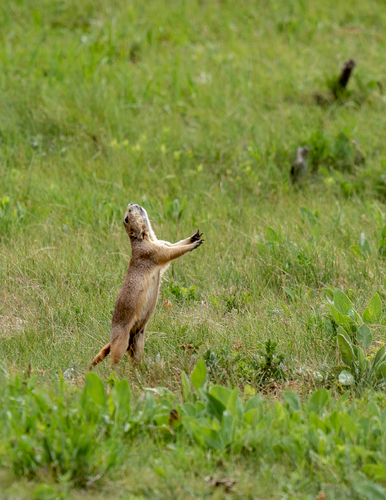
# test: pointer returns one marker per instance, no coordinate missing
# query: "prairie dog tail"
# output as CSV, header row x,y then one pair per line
x,y
100,356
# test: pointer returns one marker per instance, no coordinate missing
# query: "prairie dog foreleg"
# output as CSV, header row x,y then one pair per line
x,y
195,237
167,254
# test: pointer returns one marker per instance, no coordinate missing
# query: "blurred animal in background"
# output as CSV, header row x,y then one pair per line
x,y
299,166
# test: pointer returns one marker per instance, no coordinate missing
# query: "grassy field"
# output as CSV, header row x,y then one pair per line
x,y
195,111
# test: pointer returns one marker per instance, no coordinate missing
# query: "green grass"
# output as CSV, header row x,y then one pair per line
x,y
193,110
69,439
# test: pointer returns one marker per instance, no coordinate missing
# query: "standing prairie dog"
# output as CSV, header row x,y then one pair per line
x,y
138,296
299,166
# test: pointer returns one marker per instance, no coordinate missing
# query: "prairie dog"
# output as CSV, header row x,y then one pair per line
x,y
138,296
299,166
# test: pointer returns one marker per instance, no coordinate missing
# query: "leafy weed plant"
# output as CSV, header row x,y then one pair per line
x,y
354,337
56,430
244,368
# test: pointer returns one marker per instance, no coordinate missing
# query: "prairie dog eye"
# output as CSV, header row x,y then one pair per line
x,y
126,220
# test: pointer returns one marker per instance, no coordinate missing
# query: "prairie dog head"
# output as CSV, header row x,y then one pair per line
x,y
302,153
136,222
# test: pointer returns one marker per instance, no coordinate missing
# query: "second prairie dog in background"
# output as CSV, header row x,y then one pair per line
x,y
299,166
138,296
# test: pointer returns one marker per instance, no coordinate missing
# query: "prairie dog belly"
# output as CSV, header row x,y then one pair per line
x,y
150,300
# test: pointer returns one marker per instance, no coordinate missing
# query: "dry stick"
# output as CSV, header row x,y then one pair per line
x,y
338,86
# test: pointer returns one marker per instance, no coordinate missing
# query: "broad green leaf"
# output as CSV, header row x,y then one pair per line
x,y
160,391
290,293
344,397
362,360
121,395
364,245
45,492
345,378
364,336
346,350
354,315
111,405
342,303
198,375
293,401
376,472
373,312
371,491
211,437
318,400
280,412
382,247
186,391
199,406
228,427
313,437
342,331
355,250
350,293
95,389
373,409
252,417
334,421
272,235
162,421
338,317
193,429
318,423
341,319
309,216
220,393
381,369
254,403
348,426
234,405
214,406
329,292
189,409
379,355
44,401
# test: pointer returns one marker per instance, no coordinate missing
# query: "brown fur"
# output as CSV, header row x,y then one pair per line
x,y
138,296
